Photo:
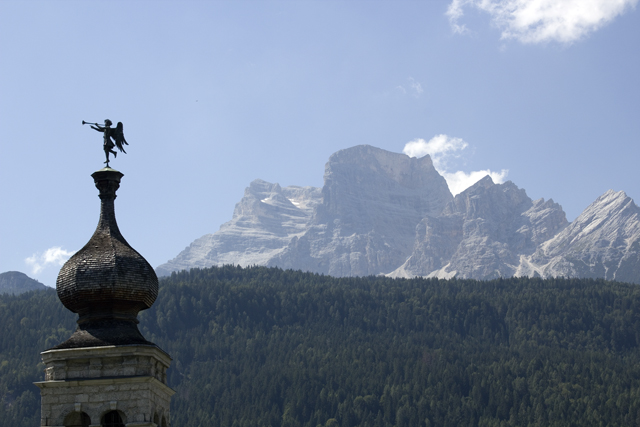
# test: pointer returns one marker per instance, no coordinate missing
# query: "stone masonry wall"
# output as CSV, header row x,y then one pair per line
x,y
129,379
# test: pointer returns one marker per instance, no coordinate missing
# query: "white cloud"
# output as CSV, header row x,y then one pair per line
x,y
52,256
455,12
538,21
414,86
443,150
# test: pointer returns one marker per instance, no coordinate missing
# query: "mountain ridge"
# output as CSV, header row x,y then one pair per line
x,y
15,283
386,213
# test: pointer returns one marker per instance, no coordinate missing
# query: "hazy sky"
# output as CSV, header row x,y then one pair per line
x,y
213,95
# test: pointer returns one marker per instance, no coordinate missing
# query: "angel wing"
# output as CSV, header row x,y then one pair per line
x,y
119,137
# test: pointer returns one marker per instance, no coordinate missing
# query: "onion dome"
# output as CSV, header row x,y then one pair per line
x,y
106,282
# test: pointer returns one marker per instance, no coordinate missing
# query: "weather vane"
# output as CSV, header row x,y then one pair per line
x,y
116,134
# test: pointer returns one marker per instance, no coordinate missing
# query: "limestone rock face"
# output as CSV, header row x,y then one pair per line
x,y
386,213
603,242
372,201
264,223
482,233
362,222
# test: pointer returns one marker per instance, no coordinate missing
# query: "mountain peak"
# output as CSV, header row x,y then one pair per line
x,y
380,212
603,241
15,282
609,205
396,166
485,182
611,198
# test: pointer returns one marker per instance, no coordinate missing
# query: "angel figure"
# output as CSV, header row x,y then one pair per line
x,y
117,134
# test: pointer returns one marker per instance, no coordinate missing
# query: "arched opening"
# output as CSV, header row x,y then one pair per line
x,y
164,422
77,419
156,419
112,419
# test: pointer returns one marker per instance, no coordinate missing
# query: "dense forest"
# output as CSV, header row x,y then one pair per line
x,y
268,347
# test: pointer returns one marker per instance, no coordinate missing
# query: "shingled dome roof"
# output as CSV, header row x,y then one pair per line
x,y
106,282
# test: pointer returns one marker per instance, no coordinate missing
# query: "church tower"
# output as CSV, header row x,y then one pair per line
x,y
106,374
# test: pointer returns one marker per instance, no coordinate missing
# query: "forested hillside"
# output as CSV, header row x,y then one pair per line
x,y
29,323
267,347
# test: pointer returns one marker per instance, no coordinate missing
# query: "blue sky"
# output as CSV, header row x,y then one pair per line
x,y
213,95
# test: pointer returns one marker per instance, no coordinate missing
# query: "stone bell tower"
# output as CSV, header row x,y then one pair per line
x,y
106,374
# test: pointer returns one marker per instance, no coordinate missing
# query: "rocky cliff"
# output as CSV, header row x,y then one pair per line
x,y
482,233
604,241
372,201
263,225
386,213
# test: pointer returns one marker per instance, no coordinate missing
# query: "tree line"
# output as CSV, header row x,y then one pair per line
x,y
270,347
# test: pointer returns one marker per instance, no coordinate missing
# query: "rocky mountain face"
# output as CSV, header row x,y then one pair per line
x,y
361,222
386,213
14,282
365,224
482,233
264,224
604,241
